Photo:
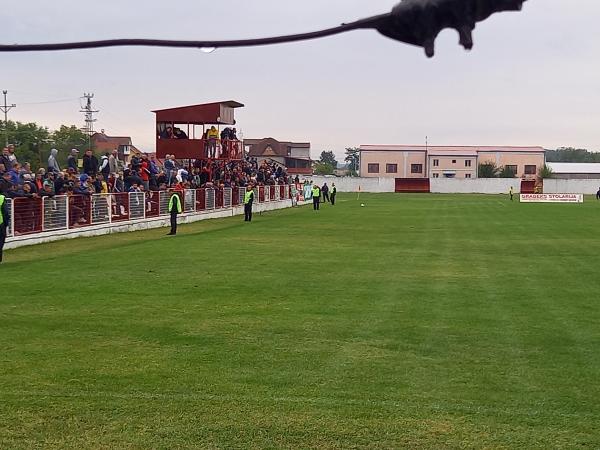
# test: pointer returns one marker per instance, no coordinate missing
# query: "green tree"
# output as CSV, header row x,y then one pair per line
x,y
488,170
322,168
545,172
506,172
32,142
66,138
571,154
352,156
328,158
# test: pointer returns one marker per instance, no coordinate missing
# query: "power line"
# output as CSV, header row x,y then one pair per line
x,y
415,22
5,109
46,102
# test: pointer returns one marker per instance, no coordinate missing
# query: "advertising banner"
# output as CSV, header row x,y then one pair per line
x,y
551,198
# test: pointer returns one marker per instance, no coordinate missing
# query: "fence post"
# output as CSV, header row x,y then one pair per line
x,y
12,218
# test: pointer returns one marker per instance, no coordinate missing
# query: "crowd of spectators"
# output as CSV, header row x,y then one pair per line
x,y
109,174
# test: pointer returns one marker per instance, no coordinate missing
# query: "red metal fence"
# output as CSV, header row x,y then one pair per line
x,y
37,215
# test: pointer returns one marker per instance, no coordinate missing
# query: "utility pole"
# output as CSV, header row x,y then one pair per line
x,y
88,114
427,167
5,108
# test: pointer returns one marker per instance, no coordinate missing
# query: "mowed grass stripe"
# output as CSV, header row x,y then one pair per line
x,y
417,321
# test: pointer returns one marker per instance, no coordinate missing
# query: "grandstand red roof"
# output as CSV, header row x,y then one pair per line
x,y
218,113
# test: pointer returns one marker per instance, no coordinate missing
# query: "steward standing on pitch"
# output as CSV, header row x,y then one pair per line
x,y
333,192
4,221
316,195
174,210
248,200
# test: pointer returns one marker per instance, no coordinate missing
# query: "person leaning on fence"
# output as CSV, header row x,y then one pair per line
x,y
174,209
248,201
316,196
4,221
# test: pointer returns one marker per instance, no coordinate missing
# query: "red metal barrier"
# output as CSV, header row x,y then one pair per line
x,y
27,215
231,149
32,215
271,192
80,211
219,200
200,199
120,207
235,196
152,204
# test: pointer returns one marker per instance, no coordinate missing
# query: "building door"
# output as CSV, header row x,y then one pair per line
x,y
527,187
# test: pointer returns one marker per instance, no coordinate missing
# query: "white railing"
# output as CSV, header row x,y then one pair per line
x,y
189,200
54,210
242,195
210,199
163,201
227,198
101,208
137,205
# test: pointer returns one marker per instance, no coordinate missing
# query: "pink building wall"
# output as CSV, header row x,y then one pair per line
x,y
447,162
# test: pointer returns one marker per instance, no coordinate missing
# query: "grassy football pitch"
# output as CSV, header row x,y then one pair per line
x,y
431,321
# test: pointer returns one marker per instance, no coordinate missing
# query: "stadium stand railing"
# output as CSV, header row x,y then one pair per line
x,y
64,212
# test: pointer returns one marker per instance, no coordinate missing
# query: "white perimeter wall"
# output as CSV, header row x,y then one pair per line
x,y
461,186
474,186
554,186
438,185
351,184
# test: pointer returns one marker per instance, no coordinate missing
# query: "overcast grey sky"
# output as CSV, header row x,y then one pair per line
x,y
532,78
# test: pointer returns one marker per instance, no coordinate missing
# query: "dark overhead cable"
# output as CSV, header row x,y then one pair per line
x,y
416,22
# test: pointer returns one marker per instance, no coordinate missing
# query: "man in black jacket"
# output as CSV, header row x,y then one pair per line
x,y
4,221
90,164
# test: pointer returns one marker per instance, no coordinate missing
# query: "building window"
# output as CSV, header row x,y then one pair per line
x,y
467,163
513,170
436,175
391,168
453,161
373,168
530,170
467,175
416,168
436,162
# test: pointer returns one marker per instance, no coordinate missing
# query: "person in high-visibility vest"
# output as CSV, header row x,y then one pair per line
x,y
174,209
316,195
4,221
248,200
511,193
333,194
